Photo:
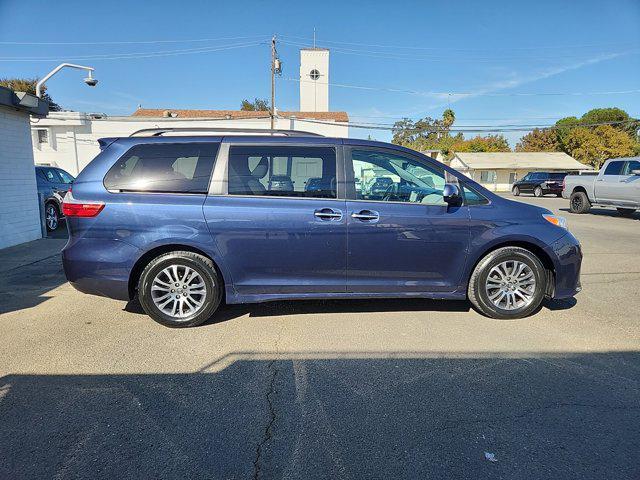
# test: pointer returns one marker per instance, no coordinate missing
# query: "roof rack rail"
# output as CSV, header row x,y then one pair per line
x,y
159,131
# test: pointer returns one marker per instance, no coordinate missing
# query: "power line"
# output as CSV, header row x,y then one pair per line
x,y
133,55
138,42
466,129
441,48
467,94
428,57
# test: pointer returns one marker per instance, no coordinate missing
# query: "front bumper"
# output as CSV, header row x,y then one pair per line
x,y
567,262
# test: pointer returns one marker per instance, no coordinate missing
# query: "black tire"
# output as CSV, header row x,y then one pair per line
x,y
579,202
203,266
559,195
538,191
477,292
515,191
626,212
52,216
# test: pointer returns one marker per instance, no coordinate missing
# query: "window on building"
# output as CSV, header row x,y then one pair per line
x,y
43,136
283,171
163,168
614,168
388,177
488,176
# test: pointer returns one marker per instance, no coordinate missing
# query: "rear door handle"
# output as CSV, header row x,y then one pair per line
x,y
328,214
365,215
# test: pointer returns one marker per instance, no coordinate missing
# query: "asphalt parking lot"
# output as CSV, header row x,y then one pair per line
x,y
92,388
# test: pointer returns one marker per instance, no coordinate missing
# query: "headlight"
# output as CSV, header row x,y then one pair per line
x,y
556,220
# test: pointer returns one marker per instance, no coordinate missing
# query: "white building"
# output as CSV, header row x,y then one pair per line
x,y
19,209
314,80
497,171
69,140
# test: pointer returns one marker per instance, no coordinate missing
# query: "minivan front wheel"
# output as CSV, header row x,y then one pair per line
x,y
180,289
508,283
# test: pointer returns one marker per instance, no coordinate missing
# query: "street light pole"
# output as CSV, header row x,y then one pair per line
x,y
89,80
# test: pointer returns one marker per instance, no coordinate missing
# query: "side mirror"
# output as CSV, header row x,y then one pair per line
x,y
451,195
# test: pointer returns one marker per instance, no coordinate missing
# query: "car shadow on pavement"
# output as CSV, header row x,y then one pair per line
x,y
606,212
296,415
301,307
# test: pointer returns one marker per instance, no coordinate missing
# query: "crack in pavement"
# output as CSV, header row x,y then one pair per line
x,y
272,418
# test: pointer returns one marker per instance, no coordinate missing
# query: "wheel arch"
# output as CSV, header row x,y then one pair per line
x,y
579,188
149,255
534,248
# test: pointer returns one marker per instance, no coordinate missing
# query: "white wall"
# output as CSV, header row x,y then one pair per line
x,y
73,136
314,94
19,211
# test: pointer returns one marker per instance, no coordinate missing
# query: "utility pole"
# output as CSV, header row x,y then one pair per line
x,y
273,81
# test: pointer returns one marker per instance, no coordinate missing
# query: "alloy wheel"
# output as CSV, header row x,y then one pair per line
x,y
511,285
51,217
178,291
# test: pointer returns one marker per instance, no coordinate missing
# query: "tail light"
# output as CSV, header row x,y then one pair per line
x,y
564,183
74,208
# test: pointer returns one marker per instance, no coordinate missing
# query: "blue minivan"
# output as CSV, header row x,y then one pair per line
x,y
186,222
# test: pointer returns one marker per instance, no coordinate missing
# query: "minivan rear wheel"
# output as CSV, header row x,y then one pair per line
x,y
508,283
180,289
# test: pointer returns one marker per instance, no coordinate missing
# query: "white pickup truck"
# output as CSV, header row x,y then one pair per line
x,y
617,184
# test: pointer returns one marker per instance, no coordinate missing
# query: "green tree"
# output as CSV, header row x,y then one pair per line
x,y
258,105
539,140
595,145
490,143
29,85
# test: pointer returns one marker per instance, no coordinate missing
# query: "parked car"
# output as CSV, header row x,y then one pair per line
x,y
617,184
540,183
53,183
185,243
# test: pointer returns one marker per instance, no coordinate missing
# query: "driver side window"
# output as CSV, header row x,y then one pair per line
x,y
383,176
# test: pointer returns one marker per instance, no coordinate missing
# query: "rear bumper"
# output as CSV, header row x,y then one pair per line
x,y
567,261
100,267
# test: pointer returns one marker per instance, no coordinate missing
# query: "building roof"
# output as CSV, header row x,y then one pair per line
x,y
237,114
24,102
519,160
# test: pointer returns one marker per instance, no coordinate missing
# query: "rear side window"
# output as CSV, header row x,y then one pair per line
x,y
614,168
163,168
282,171
631,166
52,175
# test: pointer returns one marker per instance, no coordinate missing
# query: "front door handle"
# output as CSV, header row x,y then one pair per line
x,y
366,215
328,214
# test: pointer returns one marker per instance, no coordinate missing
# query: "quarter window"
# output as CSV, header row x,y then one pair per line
x,y
163,168
614,168
283,171
382,176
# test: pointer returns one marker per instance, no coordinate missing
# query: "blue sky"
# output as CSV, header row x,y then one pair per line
x,y
410,54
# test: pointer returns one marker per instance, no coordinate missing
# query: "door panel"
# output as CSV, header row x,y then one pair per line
x,y
630,184
280,245
608,187
410,248
405,239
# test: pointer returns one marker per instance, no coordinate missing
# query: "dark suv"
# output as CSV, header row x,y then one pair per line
x,y
540,183
53,184
187,222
